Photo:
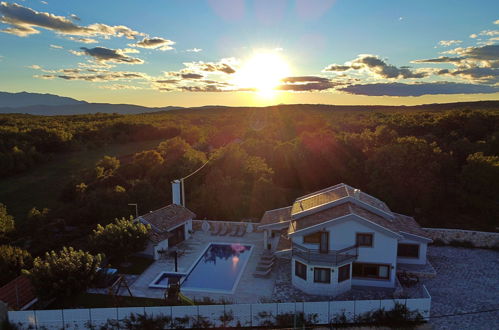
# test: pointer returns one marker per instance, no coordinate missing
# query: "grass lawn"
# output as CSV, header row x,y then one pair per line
x,y
42,186
137,265
89,300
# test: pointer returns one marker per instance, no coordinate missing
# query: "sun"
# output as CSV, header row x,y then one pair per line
x,y
262,72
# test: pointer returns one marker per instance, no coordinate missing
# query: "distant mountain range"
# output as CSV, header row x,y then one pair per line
x,y
53,105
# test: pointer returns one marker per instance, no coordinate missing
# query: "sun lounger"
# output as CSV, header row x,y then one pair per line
x,y
242,231
264,273
265,263
216,229
224,231
267,257
234,231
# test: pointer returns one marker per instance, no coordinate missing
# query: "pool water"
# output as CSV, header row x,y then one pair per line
x,y
218,269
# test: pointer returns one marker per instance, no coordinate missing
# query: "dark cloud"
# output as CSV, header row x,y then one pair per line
x,y
102,54
154,43
224,65
202,88
191,76
479,56
304,79
377,66
25,21
419,89
305,84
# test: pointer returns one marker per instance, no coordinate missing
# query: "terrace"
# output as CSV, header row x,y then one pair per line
x,y
330,257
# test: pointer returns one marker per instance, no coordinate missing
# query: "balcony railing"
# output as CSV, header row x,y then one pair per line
x,y
331,257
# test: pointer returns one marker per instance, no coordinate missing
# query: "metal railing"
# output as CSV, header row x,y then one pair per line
x,y
331,257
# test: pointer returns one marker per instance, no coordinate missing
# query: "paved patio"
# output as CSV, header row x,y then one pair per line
x,y
249,290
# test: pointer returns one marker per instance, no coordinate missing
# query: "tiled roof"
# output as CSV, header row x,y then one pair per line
x,y
319,198
277,215
401,223
164,219
319,217
335,193
18,292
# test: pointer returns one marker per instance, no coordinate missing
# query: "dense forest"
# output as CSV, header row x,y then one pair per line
x,y
440,166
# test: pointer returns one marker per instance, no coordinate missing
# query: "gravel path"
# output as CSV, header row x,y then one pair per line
x,y
467,280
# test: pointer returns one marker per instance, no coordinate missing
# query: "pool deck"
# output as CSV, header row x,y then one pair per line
x,y
249,289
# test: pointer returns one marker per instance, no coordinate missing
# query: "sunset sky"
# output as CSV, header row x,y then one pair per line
x,y
236,52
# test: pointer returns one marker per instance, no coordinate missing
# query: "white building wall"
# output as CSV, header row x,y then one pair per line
x,y
422,253
326,289
342,234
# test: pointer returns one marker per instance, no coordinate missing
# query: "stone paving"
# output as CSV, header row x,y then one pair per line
x,y
467,280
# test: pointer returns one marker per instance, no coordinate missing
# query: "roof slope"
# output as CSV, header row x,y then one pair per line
x,y
277,215
18,293
335,193
164,219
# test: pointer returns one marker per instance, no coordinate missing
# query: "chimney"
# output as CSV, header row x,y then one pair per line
x,y
356,193
177,192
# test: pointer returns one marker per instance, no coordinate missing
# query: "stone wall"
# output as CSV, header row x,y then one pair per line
x,y
477,238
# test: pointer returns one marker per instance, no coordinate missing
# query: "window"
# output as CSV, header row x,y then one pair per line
x,y
408,250
322,275
300,270
343,273
371,271
365,240
314,238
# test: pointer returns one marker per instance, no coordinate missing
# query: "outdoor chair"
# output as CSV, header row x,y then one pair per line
x,y
225,230
263,273
216,229
242,231
234,231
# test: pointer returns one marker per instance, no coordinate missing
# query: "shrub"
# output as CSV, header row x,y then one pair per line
x,y
64,273
12,261
119,239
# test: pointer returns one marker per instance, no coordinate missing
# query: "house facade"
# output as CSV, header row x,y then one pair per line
x,y
340,237
170,225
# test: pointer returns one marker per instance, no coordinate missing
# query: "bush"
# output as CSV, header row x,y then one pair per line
x,y
12,261
120,239
64,273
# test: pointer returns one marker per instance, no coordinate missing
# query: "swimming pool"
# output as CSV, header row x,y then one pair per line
x,y
218,269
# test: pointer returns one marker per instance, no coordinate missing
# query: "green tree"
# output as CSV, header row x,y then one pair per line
x,y
6,222
64,273
120,239
12,261
106,166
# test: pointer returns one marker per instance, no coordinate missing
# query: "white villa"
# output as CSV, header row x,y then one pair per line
x,y
339,237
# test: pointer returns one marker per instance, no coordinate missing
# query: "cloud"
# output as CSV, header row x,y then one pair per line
x,y
473,36
476,56
226,65
120,87
194,50
447,43
56,46
418,89
102,54
101,76
84,40
24,21
496,21
377,66
75,17
305,84
154,43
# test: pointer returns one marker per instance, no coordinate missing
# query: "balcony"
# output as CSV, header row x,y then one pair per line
x,y
329,258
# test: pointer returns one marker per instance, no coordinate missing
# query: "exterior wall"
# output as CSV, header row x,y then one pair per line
x,y
149,250
422,253
477,238
384,250
325,289
163,245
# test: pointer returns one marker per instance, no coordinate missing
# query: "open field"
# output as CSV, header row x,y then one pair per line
x,y
41,186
